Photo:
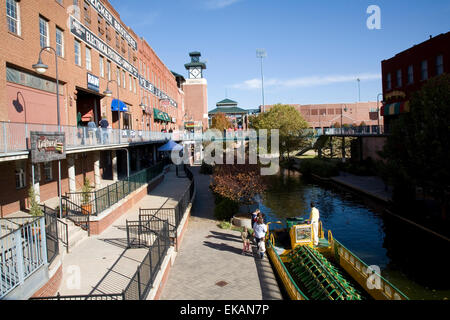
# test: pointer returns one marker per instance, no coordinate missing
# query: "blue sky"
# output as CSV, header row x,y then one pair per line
x,y
315,49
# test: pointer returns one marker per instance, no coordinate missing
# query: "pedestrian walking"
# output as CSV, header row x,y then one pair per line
x,y
104,128
245,241
261,248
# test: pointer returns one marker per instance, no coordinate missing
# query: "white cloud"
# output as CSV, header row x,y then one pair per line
x,y
312,81
219,4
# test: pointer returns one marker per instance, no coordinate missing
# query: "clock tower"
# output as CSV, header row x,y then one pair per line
x,y
196,92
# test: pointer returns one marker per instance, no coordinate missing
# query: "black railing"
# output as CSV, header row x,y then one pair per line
x,y
62,229
142,281
118,296
102,199
51,232
77,214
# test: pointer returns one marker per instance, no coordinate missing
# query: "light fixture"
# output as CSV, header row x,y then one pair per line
x,y
107,92
40,67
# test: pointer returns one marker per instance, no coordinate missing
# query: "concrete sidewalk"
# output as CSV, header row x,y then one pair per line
x,y
370,185
102,263
209,264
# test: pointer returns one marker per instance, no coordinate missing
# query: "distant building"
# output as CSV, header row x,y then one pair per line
x,y
407,71
196,92
322,116
237,116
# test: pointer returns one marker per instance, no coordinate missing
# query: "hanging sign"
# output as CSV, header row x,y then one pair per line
x,y
47,146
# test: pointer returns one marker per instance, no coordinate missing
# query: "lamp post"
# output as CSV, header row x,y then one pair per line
x,y
108,93
144,107
342,132
41,68
261,53
378,111
359,90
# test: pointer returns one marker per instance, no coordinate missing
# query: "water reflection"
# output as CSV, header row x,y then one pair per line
x,y
406,256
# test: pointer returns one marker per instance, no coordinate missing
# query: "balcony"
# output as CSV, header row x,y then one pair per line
x,y
14,137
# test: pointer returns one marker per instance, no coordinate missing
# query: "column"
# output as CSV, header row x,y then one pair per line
x,y
114,165
97,177
71,171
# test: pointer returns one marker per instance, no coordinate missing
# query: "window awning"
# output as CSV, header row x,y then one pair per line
x,y
160,115
395,108
118,104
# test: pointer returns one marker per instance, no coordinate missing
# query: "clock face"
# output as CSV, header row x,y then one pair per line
x,y
195,73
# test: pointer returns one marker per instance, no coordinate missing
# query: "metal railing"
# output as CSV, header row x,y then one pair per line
x,y
14,136
102,199
59,229
142,281
361,130
77,214
22,252
118,296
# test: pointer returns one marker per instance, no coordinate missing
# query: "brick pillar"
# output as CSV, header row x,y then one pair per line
x,y
114,165
97,178
71,173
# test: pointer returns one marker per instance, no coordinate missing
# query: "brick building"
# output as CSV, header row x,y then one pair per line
x,y
322,116
407,71
96,54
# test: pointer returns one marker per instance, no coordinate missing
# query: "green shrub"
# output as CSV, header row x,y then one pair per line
x,y
226,209
320,167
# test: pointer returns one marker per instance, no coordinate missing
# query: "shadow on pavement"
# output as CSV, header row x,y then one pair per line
x,y
222,247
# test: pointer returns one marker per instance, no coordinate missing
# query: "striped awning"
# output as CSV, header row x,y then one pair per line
x,y
395,108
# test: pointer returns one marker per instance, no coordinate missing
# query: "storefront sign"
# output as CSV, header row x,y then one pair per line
x,y
47,146
85,35
93,82
102,11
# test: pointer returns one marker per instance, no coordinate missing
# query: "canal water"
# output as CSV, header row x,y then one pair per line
x,y
411,259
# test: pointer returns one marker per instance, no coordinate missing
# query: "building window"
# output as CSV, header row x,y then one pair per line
x,y
13,16
424,70
410,74
20,175
131,82
134,84
399,78
59,42
439,65
43,31
87,15
108,69
117,40
388,82
88,59
77,52
60,1
124,77
100,64
118,76
48,171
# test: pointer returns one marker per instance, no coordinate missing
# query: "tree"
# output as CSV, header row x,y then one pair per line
x,y
238,182
417,151
220,122
35,209
291,126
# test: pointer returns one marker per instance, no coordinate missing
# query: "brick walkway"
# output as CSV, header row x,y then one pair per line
x,y
105,264
210,256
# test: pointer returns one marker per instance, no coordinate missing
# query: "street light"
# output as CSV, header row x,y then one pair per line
x,y
144,108
108,93
41,68
359,90
261,53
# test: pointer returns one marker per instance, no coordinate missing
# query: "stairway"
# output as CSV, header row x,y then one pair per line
x,y
76,236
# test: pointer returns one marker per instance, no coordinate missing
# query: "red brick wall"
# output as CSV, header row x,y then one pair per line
x,y
51,287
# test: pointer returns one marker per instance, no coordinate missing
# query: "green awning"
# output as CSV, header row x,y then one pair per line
x,y
160,115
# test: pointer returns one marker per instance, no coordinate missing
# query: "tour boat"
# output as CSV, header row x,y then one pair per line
x,y
328,271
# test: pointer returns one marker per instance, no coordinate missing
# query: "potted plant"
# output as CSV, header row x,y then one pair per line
x,y
35,210
86,206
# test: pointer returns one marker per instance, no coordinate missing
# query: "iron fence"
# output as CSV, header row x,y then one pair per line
x,y
100,200
22,252
115,296
142,281
77,214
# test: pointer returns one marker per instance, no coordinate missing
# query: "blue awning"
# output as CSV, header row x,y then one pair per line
x,y
171,145
118,104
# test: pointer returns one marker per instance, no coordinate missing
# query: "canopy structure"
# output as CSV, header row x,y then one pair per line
x,y
118,105
171,145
